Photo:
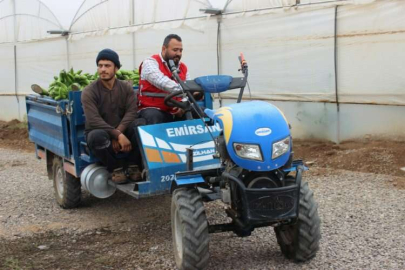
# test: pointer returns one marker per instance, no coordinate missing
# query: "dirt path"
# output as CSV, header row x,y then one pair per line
x,y
357,210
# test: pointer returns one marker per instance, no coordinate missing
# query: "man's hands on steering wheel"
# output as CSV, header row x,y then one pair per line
x,y
178,112
199,95
172,102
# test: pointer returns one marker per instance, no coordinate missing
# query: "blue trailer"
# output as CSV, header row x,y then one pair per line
x,y
57,129
241,154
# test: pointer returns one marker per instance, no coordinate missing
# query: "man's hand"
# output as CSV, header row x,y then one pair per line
x,y
198,95
116,146
124,143
178,112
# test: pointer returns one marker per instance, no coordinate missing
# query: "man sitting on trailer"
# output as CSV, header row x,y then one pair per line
x,y
110,109
156,82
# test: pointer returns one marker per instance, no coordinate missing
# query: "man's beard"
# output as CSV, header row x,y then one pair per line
x,y
176,60
108,78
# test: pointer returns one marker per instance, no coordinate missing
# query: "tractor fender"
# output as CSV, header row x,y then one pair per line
x,y
186,181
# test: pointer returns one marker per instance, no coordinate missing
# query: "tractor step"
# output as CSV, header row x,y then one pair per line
x,y
137,190
129,189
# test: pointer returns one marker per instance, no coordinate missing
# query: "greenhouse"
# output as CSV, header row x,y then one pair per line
x,y
335,68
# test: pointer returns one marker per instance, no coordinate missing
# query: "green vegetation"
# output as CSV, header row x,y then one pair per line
x,y
75,81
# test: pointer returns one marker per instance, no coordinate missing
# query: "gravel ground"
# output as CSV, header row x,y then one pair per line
x,y
363,226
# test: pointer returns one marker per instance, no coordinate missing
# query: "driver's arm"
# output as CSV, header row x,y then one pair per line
x,y
152,73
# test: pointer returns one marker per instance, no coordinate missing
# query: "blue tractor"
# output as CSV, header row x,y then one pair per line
x,y
240,154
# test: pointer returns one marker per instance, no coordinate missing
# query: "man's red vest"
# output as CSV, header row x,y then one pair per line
x,y
146,88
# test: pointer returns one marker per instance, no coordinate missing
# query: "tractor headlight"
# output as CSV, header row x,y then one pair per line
x,y
281,147
248,151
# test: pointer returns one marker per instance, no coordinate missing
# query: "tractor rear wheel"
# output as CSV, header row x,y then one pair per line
x,y
67,187
189,230
300,241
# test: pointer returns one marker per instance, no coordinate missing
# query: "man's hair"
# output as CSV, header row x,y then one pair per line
x,y
170,37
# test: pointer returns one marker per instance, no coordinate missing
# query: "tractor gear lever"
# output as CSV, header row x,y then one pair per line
x,y
243,63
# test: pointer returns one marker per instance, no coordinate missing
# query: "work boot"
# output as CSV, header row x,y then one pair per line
x,y
118,176
134,173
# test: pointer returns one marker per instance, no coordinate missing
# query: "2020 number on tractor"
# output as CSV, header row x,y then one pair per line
x,y
255,176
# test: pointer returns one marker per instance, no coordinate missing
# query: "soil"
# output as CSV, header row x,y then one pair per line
x,y
14,135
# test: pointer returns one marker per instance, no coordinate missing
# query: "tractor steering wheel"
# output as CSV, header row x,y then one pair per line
x,y
171,102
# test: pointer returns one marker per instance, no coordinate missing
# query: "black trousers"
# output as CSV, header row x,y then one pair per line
x,y
155,116
99,143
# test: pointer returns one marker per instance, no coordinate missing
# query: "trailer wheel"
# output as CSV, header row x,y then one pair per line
x,y
189,230
67,187
300,241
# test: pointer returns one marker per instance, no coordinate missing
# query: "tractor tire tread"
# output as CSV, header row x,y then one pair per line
x,y
195,227
74,192
72,187
306,231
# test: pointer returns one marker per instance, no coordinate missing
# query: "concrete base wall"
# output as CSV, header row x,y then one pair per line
x,y
11,108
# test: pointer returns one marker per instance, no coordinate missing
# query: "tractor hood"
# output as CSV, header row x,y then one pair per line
x,y
254,123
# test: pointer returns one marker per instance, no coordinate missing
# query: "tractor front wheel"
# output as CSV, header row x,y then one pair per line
x,y
300,241
189,229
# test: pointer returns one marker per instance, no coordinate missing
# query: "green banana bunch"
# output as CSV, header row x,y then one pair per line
x,y
74,81
65,82
129,75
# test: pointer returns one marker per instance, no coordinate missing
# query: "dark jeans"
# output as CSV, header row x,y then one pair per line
x,y
99,143
155,116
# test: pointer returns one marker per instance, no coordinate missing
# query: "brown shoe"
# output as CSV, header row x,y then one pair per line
x,y
118,176
134,173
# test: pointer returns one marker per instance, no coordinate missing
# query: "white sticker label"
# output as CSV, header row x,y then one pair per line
x,y
167,178
263,131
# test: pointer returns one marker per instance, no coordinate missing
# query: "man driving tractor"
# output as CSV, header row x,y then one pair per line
x,y
156,82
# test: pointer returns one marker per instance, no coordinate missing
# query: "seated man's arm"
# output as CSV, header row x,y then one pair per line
x,y
152,73
130,109
129,117
93,118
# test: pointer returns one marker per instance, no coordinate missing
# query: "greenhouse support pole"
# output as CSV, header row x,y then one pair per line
x,y
219,19
336,79
133,34
15,60
67,52
15,57
16,78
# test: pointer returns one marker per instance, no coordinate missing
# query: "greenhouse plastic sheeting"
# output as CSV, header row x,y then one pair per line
x,y
199,49
291,53
83,53
371,53
7,69
38,62
25,20
98,15
290,48
291,60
